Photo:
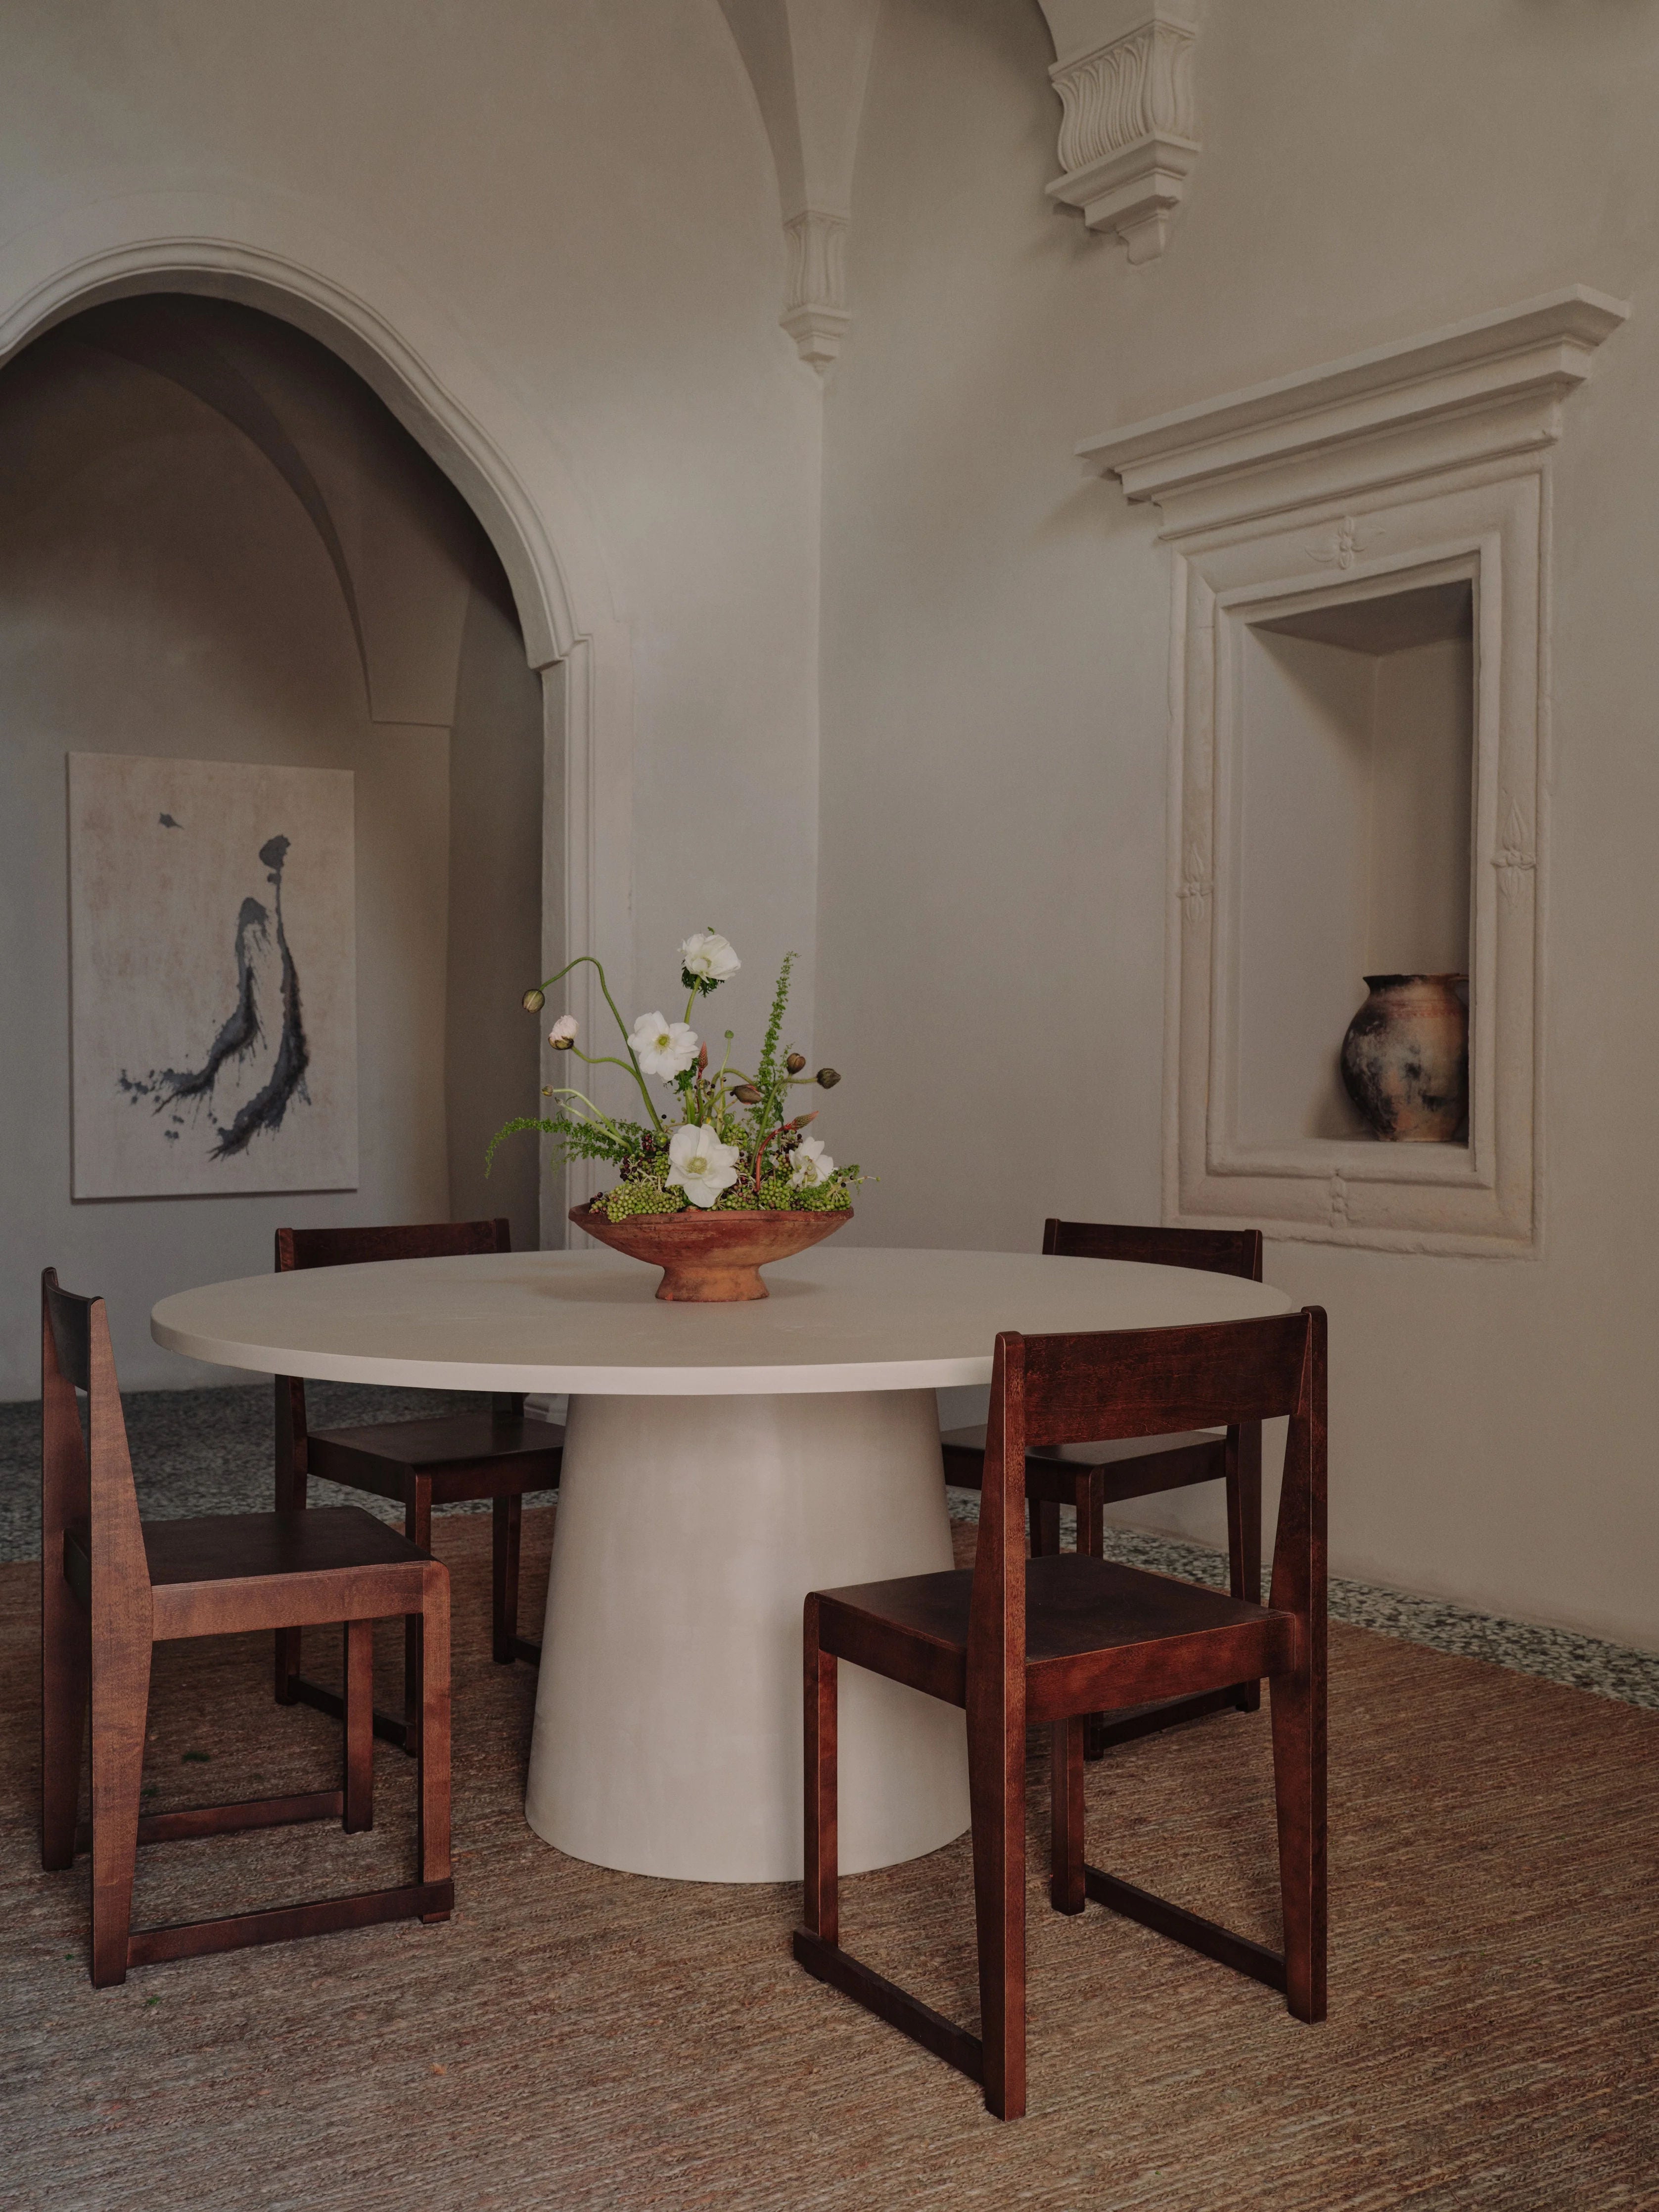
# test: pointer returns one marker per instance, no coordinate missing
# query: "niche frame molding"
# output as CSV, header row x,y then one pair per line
x,y
1419,463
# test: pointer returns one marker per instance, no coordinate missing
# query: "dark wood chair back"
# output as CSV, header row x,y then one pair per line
x,y
1140,1383
1212,1251
88,1484
351,1247
440,1459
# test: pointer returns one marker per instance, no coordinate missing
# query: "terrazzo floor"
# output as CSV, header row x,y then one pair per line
x,y
210,1451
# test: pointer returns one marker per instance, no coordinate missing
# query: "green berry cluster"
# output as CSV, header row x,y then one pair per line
x,y
833,1196
639,1196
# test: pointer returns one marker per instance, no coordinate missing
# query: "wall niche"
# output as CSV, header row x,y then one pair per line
x,y
1356,786
1358,732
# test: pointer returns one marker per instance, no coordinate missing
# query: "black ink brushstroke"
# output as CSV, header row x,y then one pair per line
x,y
266,1109
241,1030
166,822
238,1034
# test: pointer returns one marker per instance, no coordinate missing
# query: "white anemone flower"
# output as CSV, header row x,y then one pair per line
x,y
708,957
661,1047
812,1163
701,1165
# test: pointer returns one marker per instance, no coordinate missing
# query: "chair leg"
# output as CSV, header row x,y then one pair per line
x,y
996,1784
1091,1540
1244,1534
65,1674
1066,1889
508,1515
434,1781
1091,1514
120,1705
1299,1732
822,1854
359,1677
1045,1529
293,1496
417,1526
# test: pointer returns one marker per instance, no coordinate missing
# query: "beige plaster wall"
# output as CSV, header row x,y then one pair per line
x,y
583,199
996,648
580,202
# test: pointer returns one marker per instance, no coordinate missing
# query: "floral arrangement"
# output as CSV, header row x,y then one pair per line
x,y
725,1141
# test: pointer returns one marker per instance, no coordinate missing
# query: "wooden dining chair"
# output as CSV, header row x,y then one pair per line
x,y
112,1586
500,1453
1139,1467
1018,1644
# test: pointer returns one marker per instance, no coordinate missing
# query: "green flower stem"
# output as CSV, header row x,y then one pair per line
x,y
629,1066
565,1090
592,963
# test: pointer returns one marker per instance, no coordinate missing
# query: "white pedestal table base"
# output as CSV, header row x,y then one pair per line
x,y
668,1716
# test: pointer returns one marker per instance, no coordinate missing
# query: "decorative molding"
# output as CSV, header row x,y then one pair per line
x,y
815,307
1514,859
1477,391
1343,547
809,62
1196,883
1127,140
1407,468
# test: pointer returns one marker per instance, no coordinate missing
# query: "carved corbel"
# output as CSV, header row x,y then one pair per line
x,y
1127,140
815,312
809,61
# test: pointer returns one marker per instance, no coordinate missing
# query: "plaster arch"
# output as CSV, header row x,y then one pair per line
x,y
273,255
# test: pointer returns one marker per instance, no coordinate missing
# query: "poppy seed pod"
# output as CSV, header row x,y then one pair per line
x,y
533,1001
827,1078
795,1062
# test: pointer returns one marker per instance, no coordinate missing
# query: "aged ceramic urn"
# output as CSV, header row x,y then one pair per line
x,y
709,1257
1406,1058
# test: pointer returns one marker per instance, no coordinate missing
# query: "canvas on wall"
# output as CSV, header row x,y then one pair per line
x,y
213,977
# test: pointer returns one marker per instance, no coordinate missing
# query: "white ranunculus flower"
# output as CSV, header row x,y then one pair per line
x,y
701,1165
661,1047
709,956
812,1163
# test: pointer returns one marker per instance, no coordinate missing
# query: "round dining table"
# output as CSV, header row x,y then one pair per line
x,y
719,1463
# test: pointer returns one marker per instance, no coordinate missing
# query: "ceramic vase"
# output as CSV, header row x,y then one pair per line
x,y
1406,1058
709,1258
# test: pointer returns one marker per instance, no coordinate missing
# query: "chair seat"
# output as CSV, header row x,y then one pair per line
x,y
1076,1609
249,1547
1097,1454
227,1573
451,1440
460,1455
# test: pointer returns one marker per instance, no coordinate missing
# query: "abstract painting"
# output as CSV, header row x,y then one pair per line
x,y
213,976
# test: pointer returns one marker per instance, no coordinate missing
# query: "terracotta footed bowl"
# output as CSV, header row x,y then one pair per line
x,y
709,1258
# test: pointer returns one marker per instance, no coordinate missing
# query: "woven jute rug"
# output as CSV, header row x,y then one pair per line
x,y
576,2037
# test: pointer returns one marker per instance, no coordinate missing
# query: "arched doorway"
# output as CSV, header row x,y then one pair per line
x,y
219,545
506,462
